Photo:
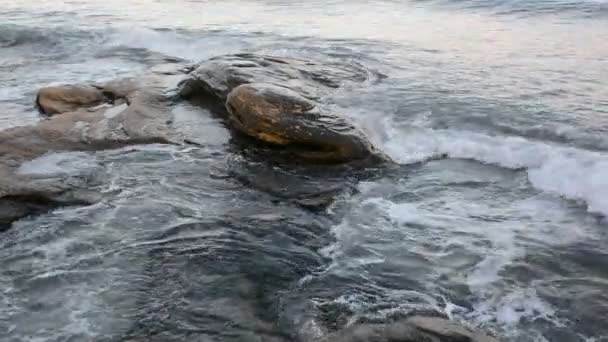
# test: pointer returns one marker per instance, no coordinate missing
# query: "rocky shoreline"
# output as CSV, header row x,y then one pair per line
x,y
275,102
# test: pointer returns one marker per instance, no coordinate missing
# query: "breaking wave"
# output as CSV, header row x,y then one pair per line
x,y
569,172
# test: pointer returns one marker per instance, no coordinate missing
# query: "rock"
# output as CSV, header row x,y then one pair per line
x,y
142,120
414,329
277,101
446,330
62,99
281,116
21,196
139,114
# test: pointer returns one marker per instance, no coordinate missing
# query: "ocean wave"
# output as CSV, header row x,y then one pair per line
x,y
12,36
583,8
174,43
567,171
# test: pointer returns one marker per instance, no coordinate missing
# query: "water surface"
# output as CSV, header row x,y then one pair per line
x,y
496,112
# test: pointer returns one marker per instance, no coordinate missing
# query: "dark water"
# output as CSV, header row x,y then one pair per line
x,y
497,112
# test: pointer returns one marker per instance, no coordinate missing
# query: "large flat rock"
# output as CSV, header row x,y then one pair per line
x,y
277,101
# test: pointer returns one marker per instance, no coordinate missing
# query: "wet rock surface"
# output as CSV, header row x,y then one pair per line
x,y
21,195
276,101
86,118
414,329
62,99
279,101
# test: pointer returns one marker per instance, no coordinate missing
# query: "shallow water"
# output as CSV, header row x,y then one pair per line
x,y
496,111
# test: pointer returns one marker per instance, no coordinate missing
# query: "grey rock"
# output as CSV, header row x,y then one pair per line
x,y
220,75
414,329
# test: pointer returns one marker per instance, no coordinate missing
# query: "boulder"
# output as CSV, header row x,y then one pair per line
x,y
67,98
141,119
139,113
220,75
278,101
282,116
414,329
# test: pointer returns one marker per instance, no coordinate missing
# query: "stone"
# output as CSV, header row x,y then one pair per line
x,y
278,101
143,120
132,111
67,98
413,329
281,116
21,196
220,75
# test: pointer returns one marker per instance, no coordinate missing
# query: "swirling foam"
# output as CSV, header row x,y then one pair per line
x,y
569,172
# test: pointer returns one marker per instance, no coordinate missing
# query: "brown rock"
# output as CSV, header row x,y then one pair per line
x,y
62,99
21,195
277,101
139,115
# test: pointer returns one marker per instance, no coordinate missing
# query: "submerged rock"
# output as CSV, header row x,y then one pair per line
x,y
414,329
220,75
277,101
140,118
21,195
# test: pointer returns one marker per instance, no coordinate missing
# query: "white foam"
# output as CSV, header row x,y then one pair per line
x,y
569,172
495,301
510,308
57,164
114,111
